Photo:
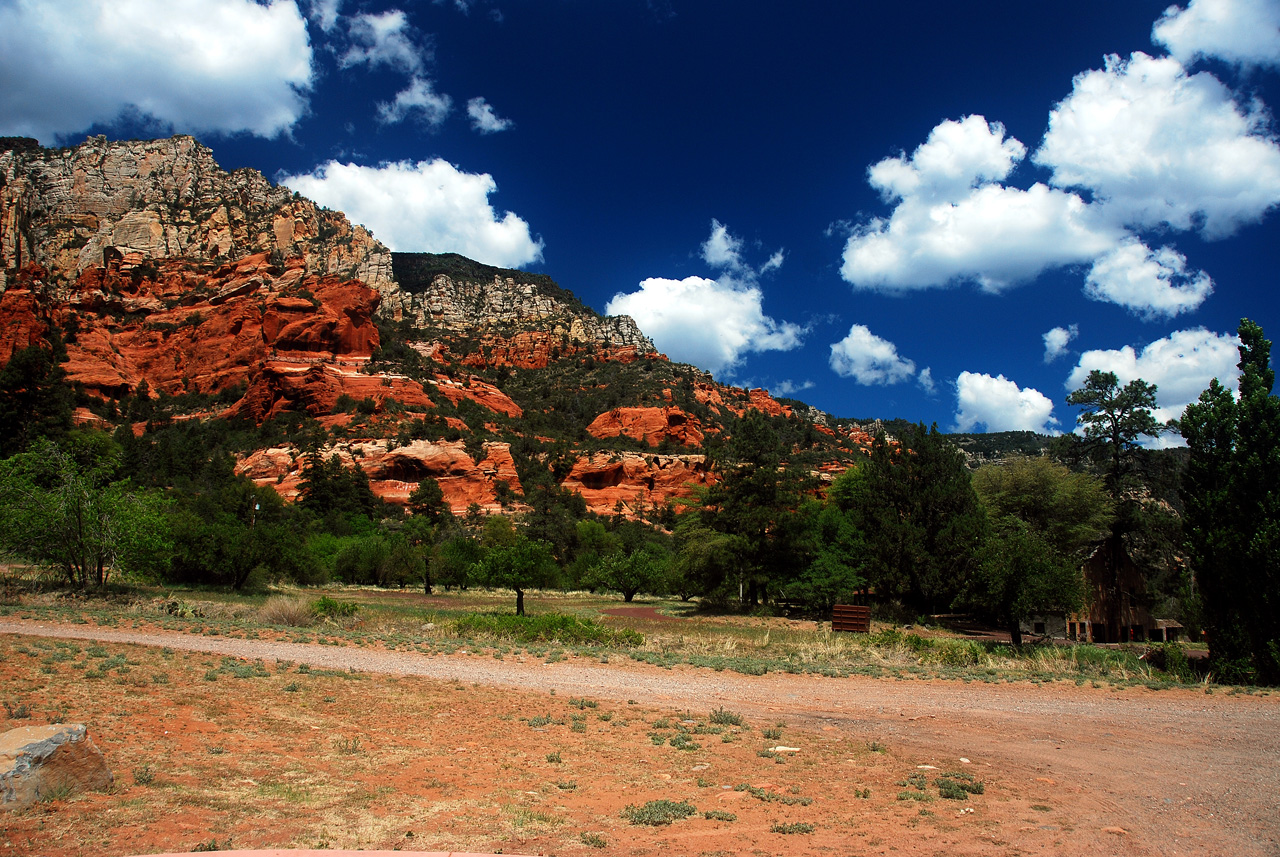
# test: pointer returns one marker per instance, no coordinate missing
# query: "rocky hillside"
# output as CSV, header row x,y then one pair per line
x,y
216,295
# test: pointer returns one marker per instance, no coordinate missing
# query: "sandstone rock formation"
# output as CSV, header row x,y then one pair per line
x,y
638,481
158,268
39,762
651,425
395,471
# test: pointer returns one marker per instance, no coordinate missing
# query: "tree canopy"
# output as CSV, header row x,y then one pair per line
x,y
1232,495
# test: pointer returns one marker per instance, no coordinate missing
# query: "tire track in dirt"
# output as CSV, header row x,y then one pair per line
x,y
1179,770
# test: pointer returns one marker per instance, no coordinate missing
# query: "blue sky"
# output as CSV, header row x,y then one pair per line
x,y
939,211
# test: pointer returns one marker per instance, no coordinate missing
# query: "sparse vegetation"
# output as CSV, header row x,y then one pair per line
x,y
658,812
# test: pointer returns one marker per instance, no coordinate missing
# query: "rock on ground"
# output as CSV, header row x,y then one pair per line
x,y
39,762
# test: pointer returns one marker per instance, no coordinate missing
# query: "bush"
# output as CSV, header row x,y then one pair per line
x,y
285,610
331,608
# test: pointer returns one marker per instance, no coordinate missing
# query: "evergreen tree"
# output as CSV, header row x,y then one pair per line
x,y
915,507
1115,419
1232,495
35,398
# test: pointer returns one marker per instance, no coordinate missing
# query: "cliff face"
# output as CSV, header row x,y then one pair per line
x,y
162,272
70,210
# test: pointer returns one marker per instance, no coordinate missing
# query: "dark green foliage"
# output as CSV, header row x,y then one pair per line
x,y
836,571
1045,519
917,511
427,501
452,558
643,570
35,398
1020,574
1001,444
63,506
332,491
519,564
1232,495
1115,419
332,608
745,537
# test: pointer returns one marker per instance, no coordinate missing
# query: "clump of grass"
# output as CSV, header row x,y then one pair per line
x,y
143,775
771,734
923,797
772,797
792,827
16,712
681,741
554,758
721,717
347,746
719,815
954,785
594,840
583,703
656,813
540,720
286,610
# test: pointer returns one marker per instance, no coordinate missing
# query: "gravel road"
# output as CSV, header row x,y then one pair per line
x,y
1184,770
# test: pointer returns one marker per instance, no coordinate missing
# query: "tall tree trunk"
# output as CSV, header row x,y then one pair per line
x,y
519,602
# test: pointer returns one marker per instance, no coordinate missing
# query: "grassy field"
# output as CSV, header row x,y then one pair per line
x,y
663,632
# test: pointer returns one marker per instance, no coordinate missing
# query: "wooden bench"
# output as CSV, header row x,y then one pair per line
x,y
851,617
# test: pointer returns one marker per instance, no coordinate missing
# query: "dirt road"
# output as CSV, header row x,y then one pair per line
x,y
1145,772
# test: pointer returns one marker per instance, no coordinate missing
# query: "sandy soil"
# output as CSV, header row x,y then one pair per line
x,y
272,744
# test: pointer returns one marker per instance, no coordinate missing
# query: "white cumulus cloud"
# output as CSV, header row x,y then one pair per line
x,y
1154,284
1158,146
385,39
998,404
223,66
418,99
954,222
787,387
1244,32
1181,365
483,119
926,382
427,206
324,13
712,324
1056,341
870,360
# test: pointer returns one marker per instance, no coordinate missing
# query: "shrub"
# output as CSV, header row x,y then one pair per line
x,y
284,610
332,608
794,827
725,718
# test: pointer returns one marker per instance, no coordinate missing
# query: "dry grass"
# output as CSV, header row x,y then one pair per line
x,y
286,610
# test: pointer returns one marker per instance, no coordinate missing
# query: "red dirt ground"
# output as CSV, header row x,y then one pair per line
x,y
448,753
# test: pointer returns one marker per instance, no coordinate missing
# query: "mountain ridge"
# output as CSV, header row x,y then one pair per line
x,y
171,280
